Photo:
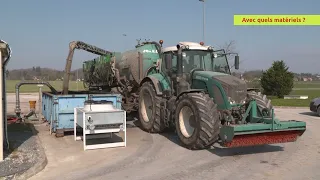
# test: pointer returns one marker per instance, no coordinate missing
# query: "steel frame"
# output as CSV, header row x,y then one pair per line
x,y
100,133
259,125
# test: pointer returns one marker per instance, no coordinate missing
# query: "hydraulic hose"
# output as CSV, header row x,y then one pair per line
x,y
18,110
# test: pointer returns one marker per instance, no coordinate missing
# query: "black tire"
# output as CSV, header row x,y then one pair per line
x,y
206,121
150,122
263,103
318,111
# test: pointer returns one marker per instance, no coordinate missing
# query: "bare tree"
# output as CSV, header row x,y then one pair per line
x,y
230,47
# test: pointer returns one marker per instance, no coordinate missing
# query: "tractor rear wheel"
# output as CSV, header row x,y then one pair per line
x,y
149,109
197,120
263,103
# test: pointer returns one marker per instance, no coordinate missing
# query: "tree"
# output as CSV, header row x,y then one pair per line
x,y
230,47
277,80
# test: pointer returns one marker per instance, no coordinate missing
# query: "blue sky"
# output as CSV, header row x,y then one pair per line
x,y
39,31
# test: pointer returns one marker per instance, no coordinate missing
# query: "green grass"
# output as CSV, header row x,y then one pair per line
x,y
299,102
11,84
307,84
296,102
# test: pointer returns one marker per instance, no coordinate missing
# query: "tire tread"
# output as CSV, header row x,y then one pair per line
x,y
209,119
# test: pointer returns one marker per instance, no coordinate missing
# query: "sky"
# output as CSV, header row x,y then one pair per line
x,y
39,31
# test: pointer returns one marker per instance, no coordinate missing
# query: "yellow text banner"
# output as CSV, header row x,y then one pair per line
x,y
276,20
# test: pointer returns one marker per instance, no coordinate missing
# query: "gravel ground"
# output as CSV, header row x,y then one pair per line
x,y
24,151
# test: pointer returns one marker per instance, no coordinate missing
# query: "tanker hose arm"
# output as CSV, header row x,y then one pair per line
x,y
53,90
118,78
72,46
90,48
78,45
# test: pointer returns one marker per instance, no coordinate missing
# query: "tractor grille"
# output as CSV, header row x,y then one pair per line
x,y
233,87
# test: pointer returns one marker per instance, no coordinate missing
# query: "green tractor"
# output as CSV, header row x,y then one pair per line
x,y
190,87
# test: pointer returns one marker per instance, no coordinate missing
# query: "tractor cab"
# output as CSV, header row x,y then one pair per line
x,y
195,57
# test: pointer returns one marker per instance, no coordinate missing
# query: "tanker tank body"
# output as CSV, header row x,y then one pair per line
x,y
134,65
129,69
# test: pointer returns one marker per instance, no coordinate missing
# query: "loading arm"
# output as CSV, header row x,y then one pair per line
x,y
78,45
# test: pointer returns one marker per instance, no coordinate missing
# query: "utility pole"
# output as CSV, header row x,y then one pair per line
x,y
40,102
77,80
1,111
5,55
204,20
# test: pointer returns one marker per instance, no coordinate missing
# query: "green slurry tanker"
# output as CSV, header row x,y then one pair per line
x,y
190,87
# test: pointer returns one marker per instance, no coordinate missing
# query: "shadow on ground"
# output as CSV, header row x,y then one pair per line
x,y
18,133
222,152
22,152
309,114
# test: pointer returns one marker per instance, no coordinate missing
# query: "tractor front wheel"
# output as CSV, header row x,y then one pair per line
x,y
197,120
149,109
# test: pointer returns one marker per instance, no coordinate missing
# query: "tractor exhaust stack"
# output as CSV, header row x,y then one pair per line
x,y
183,85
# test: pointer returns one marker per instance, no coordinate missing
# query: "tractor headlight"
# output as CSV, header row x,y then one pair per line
x,y
231,100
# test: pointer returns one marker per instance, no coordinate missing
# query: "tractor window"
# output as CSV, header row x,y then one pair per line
x,y
170,56
205,60
197,59
220,62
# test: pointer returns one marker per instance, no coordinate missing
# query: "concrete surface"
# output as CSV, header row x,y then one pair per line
x,y
154,156
24,102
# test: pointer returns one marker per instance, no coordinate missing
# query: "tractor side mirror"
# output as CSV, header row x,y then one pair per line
x,y
236,62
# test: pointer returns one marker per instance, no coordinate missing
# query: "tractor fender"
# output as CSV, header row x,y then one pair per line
x,y
189,91
155,82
